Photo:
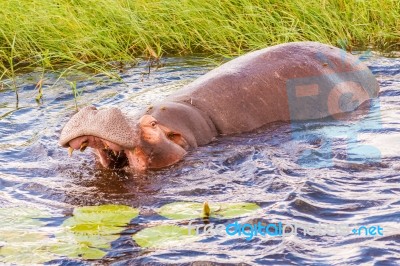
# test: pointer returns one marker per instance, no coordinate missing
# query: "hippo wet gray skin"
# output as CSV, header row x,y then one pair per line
x,y
239,96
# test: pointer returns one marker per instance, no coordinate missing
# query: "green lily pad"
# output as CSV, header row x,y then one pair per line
x,y
24,247
117,215
93,235
232,210
182,210
21,217
83,240
91,229
25,254
85,235
193,210
22,240
21,236
78,250
84,228
163,236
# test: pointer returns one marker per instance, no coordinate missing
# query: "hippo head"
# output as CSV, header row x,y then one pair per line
x,y
118,141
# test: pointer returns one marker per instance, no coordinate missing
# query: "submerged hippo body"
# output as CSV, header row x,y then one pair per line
x,y
303,80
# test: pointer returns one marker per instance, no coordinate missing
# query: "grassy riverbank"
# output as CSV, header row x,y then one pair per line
x,y
91,33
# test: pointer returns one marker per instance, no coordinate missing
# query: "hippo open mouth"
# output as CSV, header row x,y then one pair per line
x,y
118,142
108,132
111,155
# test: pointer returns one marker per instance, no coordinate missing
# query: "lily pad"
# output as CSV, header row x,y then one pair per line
x,y
116,215
91,229
78,250
24,247
163,236
84,228
22,240
239,209
25,253
21,217
85,235
193,210
21,236
92,235
182,210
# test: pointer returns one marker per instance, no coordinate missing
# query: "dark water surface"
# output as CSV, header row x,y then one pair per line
x,y
311,172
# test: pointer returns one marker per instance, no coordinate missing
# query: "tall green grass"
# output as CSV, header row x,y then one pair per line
x,y
92,33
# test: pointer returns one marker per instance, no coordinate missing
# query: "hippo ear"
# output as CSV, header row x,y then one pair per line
x,y
175,137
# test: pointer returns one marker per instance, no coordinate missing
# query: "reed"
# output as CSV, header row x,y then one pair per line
x,y
102,35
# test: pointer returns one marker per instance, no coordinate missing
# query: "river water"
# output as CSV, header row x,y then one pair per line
x,y
315,172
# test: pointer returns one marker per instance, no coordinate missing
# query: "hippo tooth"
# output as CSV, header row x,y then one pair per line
x,y
70,151
83,146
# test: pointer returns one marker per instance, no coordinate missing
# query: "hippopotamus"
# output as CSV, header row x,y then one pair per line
x,y
286,82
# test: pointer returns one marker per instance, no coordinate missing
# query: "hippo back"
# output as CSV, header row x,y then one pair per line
x,y
292,81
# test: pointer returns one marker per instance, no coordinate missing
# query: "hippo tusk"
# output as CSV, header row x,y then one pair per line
x,y
83,146
70,151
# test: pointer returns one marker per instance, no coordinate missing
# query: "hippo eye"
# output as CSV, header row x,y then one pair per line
x,y
153,124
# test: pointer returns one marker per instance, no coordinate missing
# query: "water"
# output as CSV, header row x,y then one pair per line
x,y
311,172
